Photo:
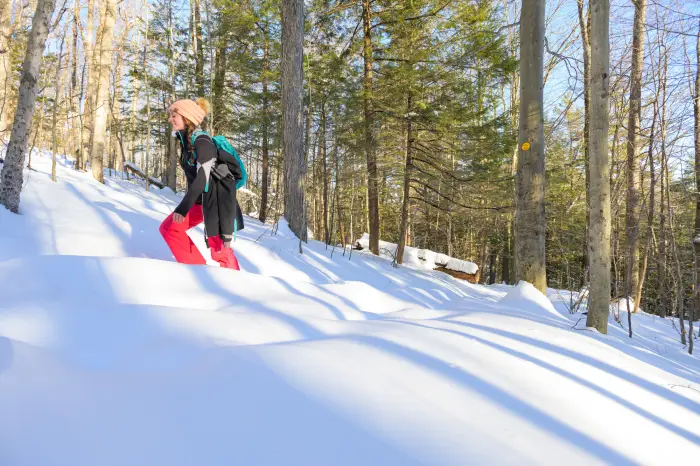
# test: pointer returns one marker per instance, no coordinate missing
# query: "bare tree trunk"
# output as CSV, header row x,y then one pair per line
x,y
696,236
101,110
292,80
326,181
54,116
146,50
132,118
171,167
219,81
75,140
405,204
40,123
265,127
585,26
89,106
599,227
632,217
664,300
115,106
341,228
5,63
650,218
530,220
198,48
372,180
505,258
11,177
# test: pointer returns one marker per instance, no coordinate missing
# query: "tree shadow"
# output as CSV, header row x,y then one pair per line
x,y
610,369
690,436
205,277
518,407
6,354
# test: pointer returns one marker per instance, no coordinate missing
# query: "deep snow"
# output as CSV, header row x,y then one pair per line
x,y
112,353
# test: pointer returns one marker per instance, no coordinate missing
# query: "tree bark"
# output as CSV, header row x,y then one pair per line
x,y
326,181
599,227
265,126
505,257
341,228
292,80
101,110
56,104
136,86
664,300
372,177
632,214
650,218
74,140
696,236
171,173
530,220
198,48
585,26
405,204
219,82
5,63
11,177
89,44
146,49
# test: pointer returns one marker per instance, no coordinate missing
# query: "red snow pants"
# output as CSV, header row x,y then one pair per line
x,y
184,250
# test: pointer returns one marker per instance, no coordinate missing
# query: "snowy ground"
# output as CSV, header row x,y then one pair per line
x,y
112,354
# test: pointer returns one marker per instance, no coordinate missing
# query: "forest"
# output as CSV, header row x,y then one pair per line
x,y
556,142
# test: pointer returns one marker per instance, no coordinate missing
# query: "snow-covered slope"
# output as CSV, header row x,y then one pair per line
x,y
111,354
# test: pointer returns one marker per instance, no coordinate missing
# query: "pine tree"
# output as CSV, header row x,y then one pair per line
x,y
292,102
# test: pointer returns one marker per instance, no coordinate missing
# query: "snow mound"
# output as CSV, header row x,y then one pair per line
x,y
428,257
525,296
442,259
420,258
387,250
462,266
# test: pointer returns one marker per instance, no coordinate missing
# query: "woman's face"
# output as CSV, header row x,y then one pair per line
x,y
177,121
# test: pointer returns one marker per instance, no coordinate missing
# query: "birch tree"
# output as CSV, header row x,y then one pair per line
x,y
101,110
11,177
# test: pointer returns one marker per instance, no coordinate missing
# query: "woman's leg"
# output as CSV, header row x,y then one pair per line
x,y
223,254
179,242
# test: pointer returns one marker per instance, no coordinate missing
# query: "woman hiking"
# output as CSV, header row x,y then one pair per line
x,y
215,207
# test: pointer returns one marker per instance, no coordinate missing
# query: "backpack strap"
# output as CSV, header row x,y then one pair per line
x,y
196,133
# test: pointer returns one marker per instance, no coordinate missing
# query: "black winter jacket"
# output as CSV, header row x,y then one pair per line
x,y
217,196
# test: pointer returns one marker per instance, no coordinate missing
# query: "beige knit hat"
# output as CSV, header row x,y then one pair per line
x,y
189,109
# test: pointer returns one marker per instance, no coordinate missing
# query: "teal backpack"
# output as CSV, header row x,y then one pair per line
x,y
224,148
222,145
